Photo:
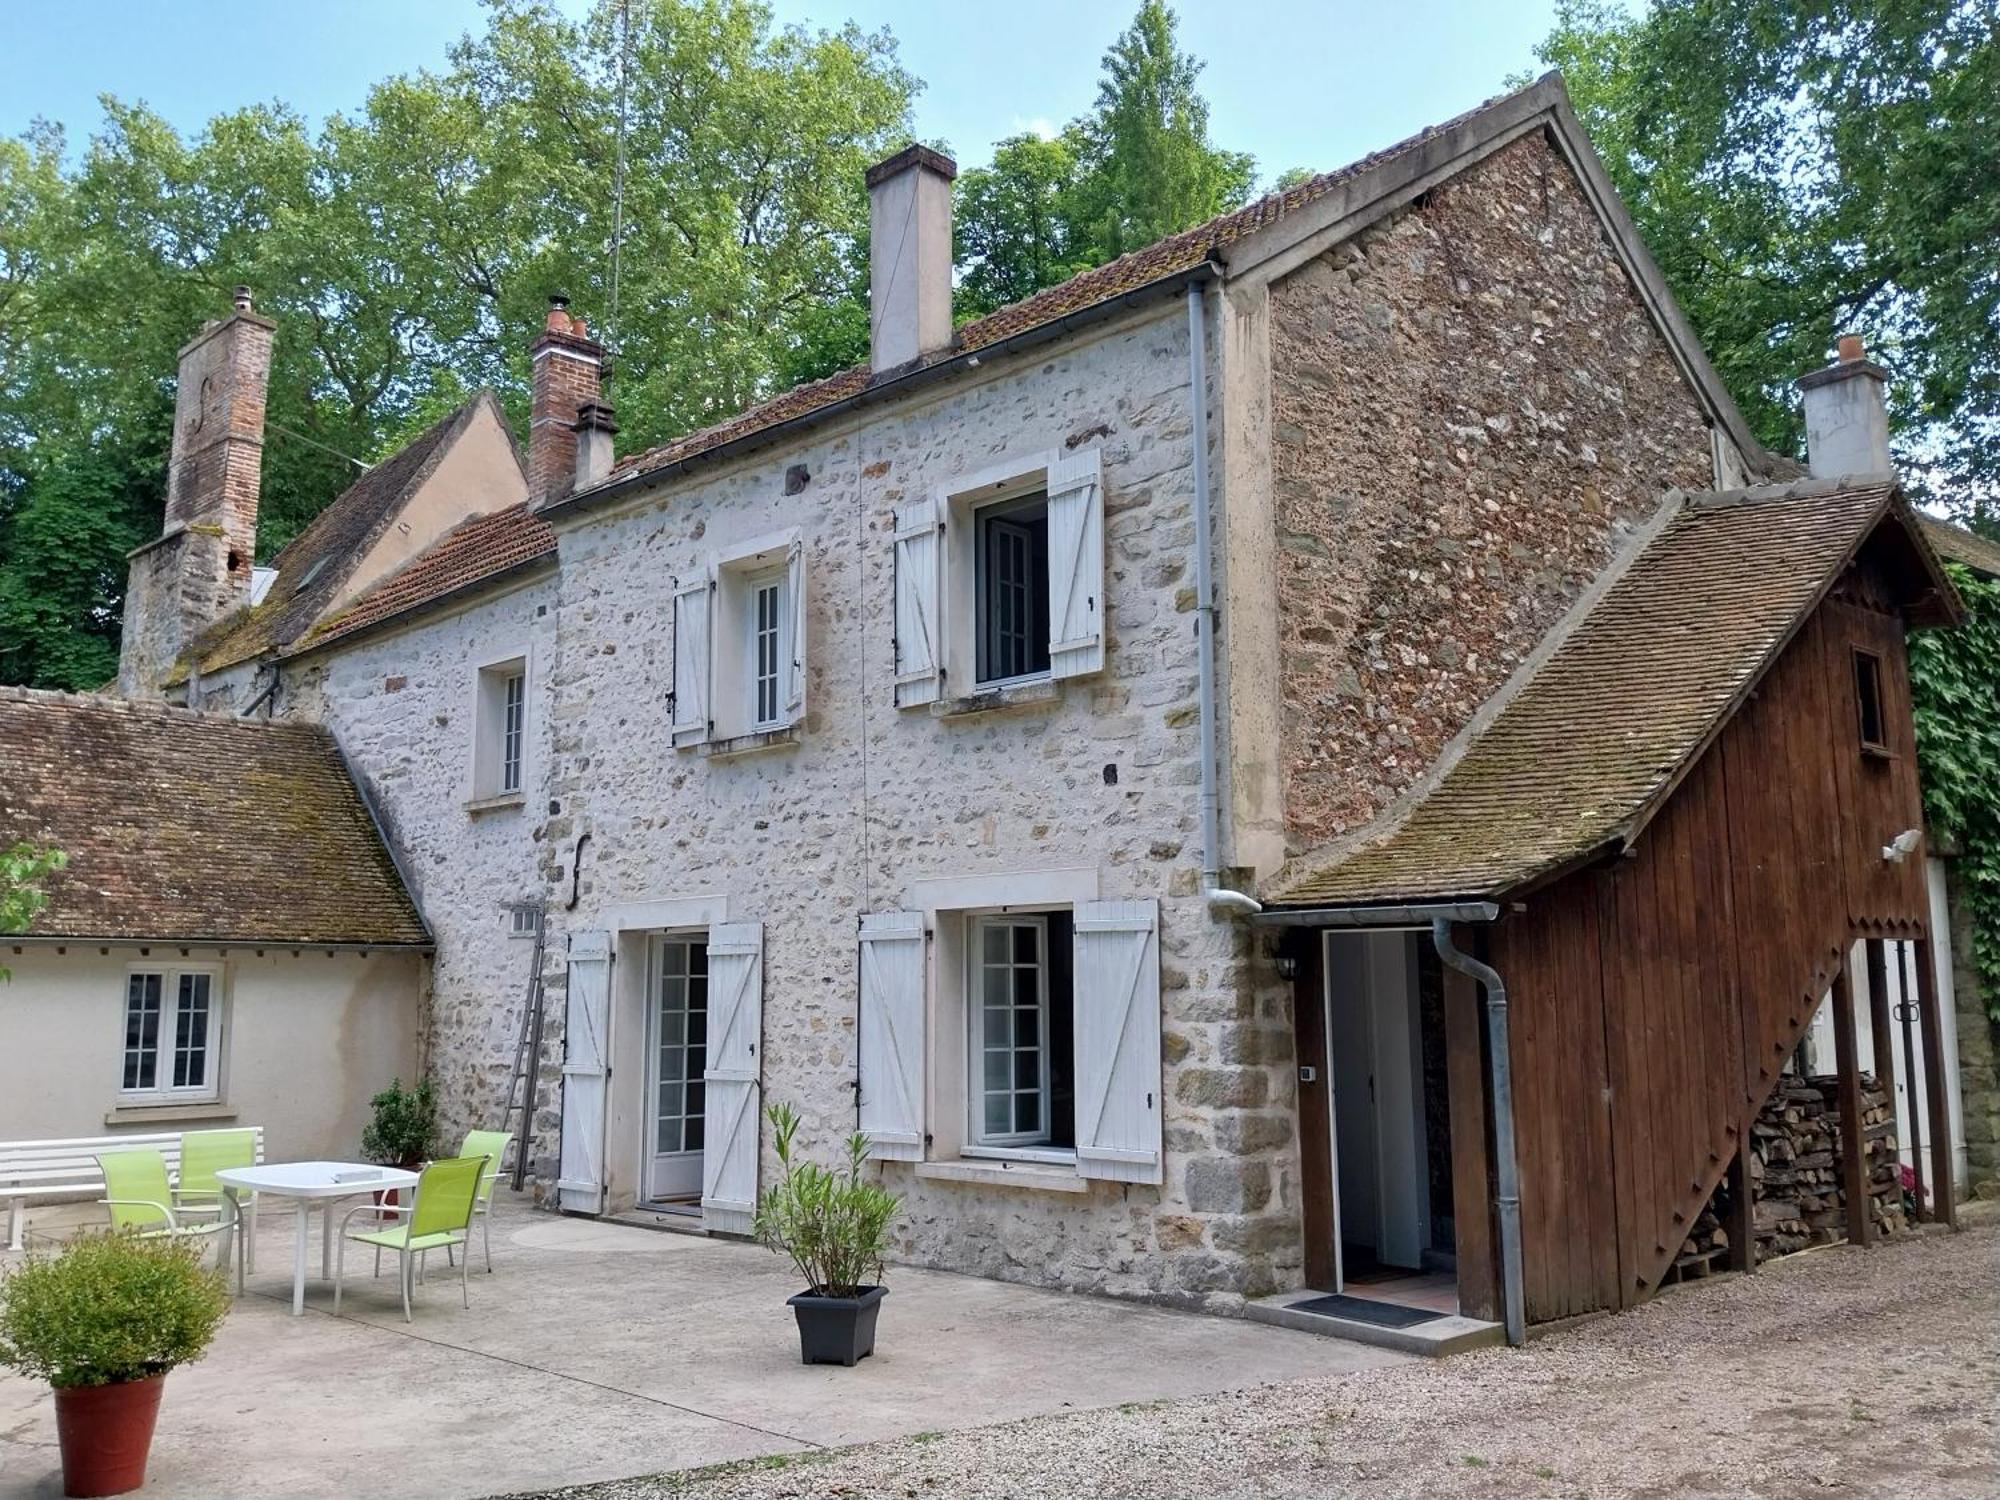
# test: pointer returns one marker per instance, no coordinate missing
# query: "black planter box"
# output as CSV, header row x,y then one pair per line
x,y
837,1330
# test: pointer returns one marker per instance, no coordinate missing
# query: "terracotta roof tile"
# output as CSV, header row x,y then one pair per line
x,y
1171,256
317,562
188,827
1577,758
473,552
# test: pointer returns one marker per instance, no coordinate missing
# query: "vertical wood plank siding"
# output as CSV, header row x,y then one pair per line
x,y
1656,999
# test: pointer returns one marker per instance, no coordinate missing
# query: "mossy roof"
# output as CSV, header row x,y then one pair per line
x,y
188,827
1594,739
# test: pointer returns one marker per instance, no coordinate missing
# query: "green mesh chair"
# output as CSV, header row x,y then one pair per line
x,y
141,1203
438,1216
491,1144
200,1194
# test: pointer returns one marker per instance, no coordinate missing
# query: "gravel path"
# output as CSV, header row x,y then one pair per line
x,y
1832,1373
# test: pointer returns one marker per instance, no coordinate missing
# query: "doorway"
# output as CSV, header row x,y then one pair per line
x,y
674,1118
1389,1123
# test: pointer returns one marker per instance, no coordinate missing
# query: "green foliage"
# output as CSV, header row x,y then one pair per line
x,y
1953,678
407,251
109,1308
833,1225
23,868
1803,170
1138,167
404,1129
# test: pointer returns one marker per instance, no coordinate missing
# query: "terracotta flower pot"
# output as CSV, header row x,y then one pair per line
x,y
106,1432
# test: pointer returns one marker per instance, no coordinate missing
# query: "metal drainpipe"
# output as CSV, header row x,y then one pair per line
x,y
1507,1175
1213,892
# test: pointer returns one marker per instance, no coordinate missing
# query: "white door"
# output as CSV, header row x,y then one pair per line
x,y
735,1059
677,1057
586,1019
1375,1058
1350,1051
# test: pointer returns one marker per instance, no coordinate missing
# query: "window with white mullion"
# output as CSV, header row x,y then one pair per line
x,y
767,631
1010,1032
172,1035
513,718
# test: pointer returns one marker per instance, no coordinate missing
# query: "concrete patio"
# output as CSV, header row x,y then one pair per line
x,y
598,1351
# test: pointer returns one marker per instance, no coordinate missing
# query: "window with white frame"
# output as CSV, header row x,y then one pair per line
x,y
1020,1081
500,730
739,642
173,1035
999,579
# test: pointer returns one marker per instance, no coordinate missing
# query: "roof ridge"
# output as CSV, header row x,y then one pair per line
x,y
144,708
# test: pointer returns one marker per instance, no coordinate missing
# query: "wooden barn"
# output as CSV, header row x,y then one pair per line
x,y
1578,964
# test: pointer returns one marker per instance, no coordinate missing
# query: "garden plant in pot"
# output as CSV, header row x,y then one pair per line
x,y
835,1227
103,1320
403,1132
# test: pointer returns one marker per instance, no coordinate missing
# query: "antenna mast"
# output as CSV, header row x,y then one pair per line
x,y
618,170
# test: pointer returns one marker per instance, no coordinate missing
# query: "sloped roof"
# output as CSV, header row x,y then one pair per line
x,y
1981,554
189,827
1173,256
472,553
1583,753
316,564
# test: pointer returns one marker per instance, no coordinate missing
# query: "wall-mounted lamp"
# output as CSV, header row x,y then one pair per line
x,y
1287,964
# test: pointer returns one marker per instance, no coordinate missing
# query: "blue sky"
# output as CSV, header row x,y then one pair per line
x,y
1298,84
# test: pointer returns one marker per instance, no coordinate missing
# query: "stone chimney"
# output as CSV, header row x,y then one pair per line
x,y
568,376
909,270
198,571
595,429
1847,422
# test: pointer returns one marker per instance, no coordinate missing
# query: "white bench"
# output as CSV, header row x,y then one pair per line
x,y
68,1169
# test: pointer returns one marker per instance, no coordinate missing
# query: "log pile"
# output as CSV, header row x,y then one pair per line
x,y
1795,1172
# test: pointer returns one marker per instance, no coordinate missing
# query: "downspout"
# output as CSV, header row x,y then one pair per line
x,y
1506,1172
1220,899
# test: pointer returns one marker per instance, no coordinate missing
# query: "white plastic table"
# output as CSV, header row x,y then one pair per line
x,y
310,1183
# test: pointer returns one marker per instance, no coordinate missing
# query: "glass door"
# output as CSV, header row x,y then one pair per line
x,y
678,1052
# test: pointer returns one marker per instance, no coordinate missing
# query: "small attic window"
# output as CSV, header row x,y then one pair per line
x,y
1868,703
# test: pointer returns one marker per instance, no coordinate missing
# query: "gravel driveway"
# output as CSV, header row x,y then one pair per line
x,y
1840,1373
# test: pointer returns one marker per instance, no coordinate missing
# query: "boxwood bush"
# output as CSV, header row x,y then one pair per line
x,y
109,1307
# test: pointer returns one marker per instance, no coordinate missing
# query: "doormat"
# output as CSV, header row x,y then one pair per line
x,y
1365,1310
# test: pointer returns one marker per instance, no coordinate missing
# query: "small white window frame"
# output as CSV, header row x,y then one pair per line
x,y
214,1047
959,502
978,1138
773,583
494,778
737,570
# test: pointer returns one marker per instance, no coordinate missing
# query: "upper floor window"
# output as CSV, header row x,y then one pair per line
x,y
173,1029
1873,725
500,730
1000,579
739,642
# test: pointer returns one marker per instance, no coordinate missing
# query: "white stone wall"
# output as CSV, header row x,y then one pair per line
x,y
401,706
807,837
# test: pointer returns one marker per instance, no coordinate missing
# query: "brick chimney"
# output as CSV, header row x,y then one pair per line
x,y
198,571
909,271
568,376
1847,421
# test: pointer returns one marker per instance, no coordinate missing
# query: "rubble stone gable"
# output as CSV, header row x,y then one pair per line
x,y
1472,411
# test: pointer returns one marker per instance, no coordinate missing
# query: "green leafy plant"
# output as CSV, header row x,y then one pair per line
x,y
831,1222
23,868
1952,678
109,1307
404,1129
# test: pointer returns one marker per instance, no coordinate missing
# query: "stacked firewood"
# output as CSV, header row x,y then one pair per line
x,y
1795,1170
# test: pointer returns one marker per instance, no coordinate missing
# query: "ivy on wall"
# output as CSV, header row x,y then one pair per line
x,y
1955,687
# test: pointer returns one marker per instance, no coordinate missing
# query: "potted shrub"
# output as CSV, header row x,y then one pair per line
x,y
403,1131
835,1228
102,1321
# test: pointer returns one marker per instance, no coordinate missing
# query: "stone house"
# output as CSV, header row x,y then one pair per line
x,y
955,747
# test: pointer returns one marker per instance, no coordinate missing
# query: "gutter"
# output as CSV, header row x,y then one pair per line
x,y
895,386
1506,1168
220,944
1219,898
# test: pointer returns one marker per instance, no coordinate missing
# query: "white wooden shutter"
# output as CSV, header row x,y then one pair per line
x,y
735,1055
795,602
1117,989
585,1074
919,558
694,603
1076,563
891,1041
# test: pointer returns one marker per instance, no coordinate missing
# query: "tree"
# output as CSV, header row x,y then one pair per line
x,y
1800,171
1135,169
23,868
